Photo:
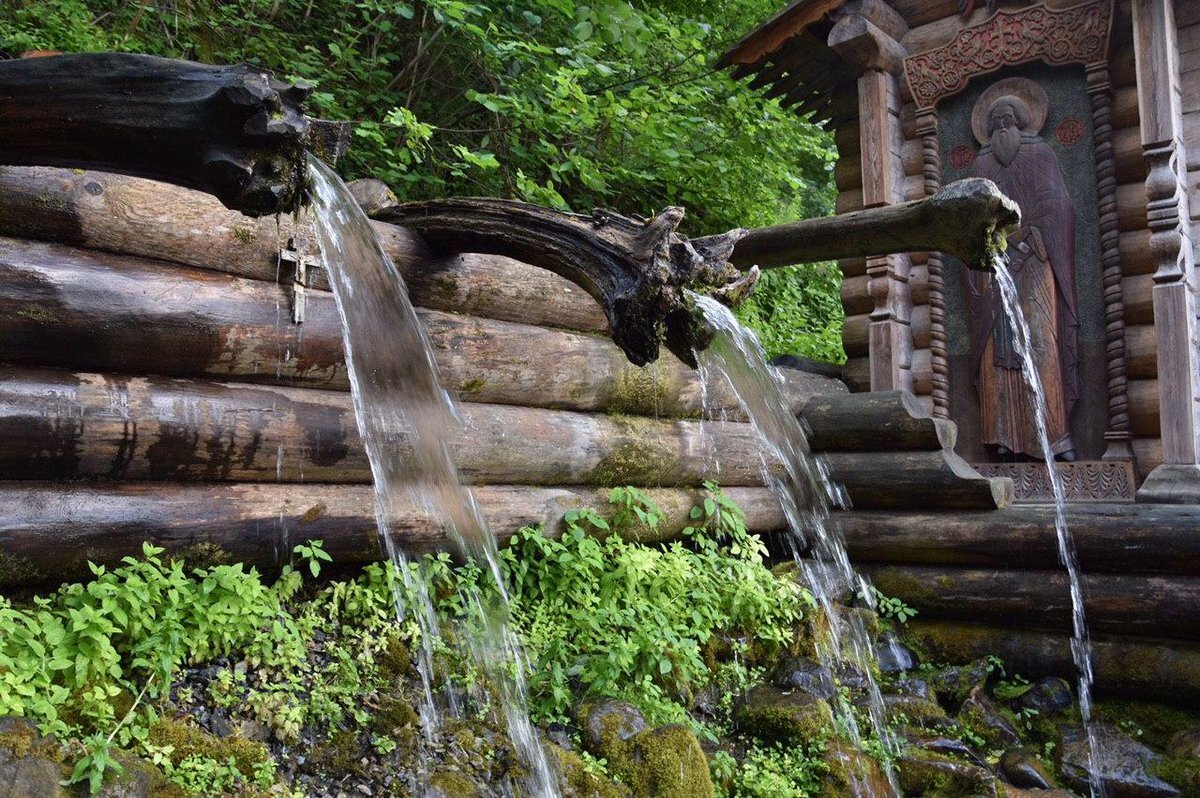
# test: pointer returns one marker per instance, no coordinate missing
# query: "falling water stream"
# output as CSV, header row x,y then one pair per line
x,y
406,420
1081,646
807,495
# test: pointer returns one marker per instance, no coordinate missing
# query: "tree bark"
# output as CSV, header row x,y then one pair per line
x,y
1109,538
49,531
965,219
1150,606
1164,670
234,132
637,270
64,307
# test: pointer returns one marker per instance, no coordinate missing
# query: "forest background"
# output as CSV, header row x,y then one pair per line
x,y
577,105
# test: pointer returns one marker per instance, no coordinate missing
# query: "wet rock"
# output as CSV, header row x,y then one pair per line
x,y
1049,695
576,781
955,683
560,735
918,688
789,718
931,776
850,772
1185,744
608,722
30,777
981,715
137,779
853,677
1022,769
945,746
1020,792
801,673
1125,766
914,712
894,656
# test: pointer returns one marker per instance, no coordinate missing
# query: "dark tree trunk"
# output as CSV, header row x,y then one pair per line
x,y
232,131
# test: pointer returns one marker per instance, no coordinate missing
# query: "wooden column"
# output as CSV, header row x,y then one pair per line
x,y
866,36
1157,62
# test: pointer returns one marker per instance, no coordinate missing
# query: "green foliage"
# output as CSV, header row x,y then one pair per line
x,y
890,607
781,772
570,104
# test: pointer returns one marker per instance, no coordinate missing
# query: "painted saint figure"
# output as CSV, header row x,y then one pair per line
x,y
1041,257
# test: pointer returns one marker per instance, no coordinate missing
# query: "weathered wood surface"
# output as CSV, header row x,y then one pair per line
x,y
48,531
637,270
884,421
66,307
234,132
60,425
131,216
1164,670
1110,538
1148,606
958,219
63,425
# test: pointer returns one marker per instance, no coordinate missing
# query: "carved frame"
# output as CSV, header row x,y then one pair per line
x,y
1077,35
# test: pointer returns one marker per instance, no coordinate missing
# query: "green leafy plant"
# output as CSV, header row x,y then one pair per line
x,y
890,607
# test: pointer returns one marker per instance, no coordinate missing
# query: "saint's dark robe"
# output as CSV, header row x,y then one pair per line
x,y
1042,258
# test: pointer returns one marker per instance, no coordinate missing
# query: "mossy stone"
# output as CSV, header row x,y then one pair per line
x,y
665,763
788,718
451,785
934,776
579,782
186,740
851,772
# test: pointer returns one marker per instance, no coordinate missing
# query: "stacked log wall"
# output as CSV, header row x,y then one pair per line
x,y
932,25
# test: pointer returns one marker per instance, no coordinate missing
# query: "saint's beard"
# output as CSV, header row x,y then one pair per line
x,y
1006,141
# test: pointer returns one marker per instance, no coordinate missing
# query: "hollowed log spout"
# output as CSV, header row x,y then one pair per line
x,y
968,219
231,131
636,269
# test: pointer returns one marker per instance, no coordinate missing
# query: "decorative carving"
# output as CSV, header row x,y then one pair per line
x,y
1118,434
1068,132
1076,35
932,173
962,156
1090,481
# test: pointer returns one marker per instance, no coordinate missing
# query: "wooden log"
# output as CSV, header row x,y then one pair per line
x,y
1137,292
915,479
847,172
60,425
637,270
1136,255
131,216
1141,356
234,132
1110,538
959,219
1125,108
1149,606
881,421
1167,671
856,297
848,201
1131,207
1128,156
1144,408
1148,455
49,531
856,335
65,307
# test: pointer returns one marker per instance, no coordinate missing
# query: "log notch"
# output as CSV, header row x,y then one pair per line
x,y
234,132
638,271
49,531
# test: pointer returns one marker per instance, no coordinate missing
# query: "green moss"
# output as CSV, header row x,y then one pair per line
x,y
578,780
471,386
636,460
452,785
637,391
785,718
244,234
38,314
341,752
394,663
935,776
850,772
1183,773
912,711
186,740
201,555
665,763
15,570
1157,722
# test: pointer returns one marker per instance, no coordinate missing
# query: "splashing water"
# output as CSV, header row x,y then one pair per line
x,y
406,421
1081,645
807,495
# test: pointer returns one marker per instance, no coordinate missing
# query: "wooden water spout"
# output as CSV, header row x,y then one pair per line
x,y
968,219
231,131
